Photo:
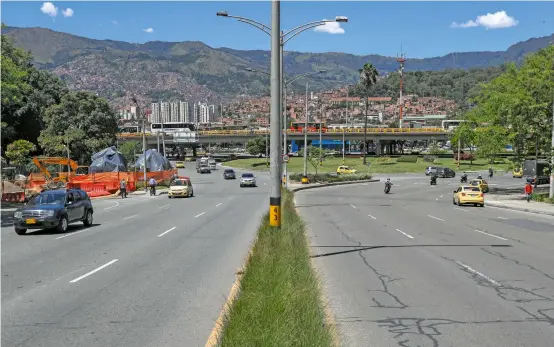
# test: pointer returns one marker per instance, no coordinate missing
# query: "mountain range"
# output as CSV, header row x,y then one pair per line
x,y
192,70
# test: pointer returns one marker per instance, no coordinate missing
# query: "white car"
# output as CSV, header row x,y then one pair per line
x,y
247,179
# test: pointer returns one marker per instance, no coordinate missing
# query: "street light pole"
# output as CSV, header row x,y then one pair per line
x,y
276,105
346,125
286,148
305,176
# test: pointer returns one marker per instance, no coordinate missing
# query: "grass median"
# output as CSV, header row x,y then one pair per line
x,y
279,303
378,165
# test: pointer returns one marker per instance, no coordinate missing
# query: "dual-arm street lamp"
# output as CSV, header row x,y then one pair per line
x,y
285,85
278,40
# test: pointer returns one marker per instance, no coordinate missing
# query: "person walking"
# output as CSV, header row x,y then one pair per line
x,y
123,188
528,190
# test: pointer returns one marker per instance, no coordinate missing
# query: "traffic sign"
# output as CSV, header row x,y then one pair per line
x,y
285,158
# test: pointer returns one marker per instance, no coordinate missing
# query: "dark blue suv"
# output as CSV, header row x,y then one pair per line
x,y
54,209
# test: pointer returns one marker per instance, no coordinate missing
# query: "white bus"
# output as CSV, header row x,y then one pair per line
x,y
173,127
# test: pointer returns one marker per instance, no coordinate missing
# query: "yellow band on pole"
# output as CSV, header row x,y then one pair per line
x,y
275,215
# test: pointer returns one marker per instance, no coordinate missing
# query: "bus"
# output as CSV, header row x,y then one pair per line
x,y
132,129
172,127
298,127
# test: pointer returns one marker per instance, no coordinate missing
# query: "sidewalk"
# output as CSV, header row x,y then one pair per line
x,y
517,202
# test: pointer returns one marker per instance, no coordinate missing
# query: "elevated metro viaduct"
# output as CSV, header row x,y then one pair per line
x,y
382,140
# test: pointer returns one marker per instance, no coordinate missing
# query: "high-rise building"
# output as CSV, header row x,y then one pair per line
x,y
155,118
184,112
204,111
195,118
165,112
174,112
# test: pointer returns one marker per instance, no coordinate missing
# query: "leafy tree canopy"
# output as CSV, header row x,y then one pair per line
x,y
18,151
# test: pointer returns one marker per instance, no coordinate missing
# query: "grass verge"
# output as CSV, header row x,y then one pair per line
x,y
279,303
378,165
542,197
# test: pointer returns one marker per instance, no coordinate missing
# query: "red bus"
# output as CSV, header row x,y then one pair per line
x,y
313,127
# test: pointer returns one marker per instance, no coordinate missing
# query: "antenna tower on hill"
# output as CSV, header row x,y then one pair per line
x,y
401,59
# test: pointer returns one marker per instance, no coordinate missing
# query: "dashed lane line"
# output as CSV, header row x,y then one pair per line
x,y
403,233
93,271
167,231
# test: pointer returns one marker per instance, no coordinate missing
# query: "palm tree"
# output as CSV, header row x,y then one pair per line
x,y
368,77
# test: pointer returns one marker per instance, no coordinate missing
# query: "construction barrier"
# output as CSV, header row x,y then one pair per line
x,y
13,197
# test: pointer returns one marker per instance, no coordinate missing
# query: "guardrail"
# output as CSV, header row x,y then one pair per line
x,y
327,131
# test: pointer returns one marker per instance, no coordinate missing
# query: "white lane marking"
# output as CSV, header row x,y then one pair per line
x,y
441,196
353,206
265,184
502,218
129,217
437,199
198,215
477,273
165,232
93,271
163,206
498,237
437,218
400,231
77,232
371,216
221,203
116,204
461,209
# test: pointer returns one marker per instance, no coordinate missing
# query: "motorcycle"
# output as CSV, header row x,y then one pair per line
x,y
387,187
463,179
433,180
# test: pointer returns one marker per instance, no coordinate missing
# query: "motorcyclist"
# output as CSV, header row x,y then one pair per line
x,y
433,178
479,177
464,178
491,171
388,184
152,184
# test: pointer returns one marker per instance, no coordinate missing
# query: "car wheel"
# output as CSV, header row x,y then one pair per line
x,y
169,197
454,201
482,205
62,225
88,219
19,231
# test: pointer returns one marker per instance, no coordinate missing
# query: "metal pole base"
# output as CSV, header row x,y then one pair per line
x,y
305,180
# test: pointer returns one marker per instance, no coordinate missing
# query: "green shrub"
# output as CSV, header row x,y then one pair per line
x,y
407,159
429,158
383,159
330,178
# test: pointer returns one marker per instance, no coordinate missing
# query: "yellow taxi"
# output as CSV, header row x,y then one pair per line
x,y
343,169
517,173
481,183
468,195
180,164
180,186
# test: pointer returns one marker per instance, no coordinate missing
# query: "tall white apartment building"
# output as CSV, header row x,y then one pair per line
x,y
174,114
156,114
165,112
184,112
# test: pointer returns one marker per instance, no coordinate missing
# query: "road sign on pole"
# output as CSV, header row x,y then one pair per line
x,y
286,158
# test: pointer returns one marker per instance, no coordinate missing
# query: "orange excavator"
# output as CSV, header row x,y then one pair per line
x,y
63,177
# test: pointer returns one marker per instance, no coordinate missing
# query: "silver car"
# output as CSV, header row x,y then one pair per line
x,y
247,179
430,170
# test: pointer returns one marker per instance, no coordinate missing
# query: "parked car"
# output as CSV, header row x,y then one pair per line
x,y
54,209
247,179
444,172
229,174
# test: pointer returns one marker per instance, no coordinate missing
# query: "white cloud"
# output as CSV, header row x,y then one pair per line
x,y
67,12
49,9
148,30
115,22
330,28
497,20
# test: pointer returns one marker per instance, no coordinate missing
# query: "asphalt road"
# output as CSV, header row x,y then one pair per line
x,y
411,269
152,271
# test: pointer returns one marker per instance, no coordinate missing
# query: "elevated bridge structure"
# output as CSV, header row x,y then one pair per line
x,y
374,135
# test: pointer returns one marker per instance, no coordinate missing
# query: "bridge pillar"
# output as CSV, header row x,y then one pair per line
x,y
194,147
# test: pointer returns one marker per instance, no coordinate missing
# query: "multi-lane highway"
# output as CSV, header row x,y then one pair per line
x,y
152,271
412,269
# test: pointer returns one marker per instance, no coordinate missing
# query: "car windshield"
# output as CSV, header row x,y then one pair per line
x,y
229,171
179,183
48,198
247,175
472,189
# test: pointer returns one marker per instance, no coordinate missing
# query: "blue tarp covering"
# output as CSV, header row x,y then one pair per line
x,y
154,161
107,160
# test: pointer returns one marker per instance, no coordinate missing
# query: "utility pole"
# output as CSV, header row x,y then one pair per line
x,y
365,126
551,193
276,107
285,122
143,143
401,59
305,176
343,140
320,139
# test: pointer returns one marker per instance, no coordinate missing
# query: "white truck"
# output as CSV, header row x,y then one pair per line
x,y
210,160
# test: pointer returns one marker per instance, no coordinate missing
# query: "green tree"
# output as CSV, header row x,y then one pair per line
x,y
82,120
256,146
465,136
490,141
314,156
129,149
368,78
18,151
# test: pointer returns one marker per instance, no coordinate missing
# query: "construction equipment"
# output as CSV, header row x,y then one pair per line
x,y
63,177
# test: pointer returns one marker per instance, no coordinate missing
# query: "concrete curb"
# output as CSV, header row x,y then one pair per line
x,y
495,204
334,184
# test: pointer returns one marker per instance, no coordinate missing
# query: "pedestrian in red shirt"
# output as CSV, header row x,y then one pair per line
x,y
528,190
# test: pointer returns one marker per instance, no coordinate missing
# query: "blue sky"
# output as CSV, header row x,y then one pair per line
x,y
424,28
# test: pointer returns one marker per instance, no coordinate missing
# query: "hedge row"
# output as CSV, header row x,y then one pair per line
x,y
330,178
407,159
